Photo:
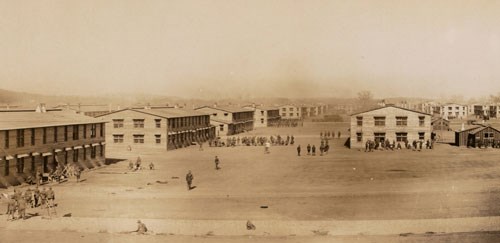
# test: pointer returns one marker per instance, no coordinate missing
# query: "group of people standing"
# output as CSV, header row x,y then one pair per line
x,y
372,145
329,134
19,201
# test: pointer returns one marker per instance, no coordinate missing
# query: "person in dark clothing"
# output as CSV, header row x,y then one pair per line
x,y
189,180
298,150
308,149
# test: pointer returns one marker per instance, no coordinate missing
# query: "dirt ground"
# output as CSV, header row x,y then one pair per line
x,y
439,195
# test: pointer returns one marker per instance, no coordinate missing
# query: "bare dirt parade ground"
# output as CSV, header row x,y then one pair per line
x,y
447,194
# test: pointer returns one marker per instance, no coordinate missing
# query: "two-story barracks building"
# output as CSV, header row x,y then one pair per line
x,y
42,140
229,120
166,128
389,123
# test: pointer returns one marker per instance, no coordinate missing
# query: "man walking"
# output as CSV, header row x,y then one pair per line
x,y
298,150
217,161
308,149
189,180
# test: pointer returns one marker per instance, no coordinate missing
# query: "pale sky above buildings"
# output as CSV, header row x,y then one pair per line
x,y
216,48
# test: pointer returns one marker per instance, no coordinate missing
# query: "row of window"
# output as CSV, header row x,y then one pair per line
x,y
291,114
380,136
138,138
400,121
20,162
20,134
173,122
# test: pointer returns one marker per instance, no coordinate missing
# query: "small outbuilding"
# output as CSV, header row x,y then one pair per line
x,y
478,136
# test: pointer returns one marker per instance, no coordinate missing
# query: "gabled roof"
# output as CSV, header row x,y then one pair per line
x,y
477,128
231,109
31,119
438,118
383,107
264,108
164,113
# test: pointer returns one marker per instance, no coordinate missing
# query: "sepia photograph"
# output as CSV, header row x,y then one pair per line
x,y
270,121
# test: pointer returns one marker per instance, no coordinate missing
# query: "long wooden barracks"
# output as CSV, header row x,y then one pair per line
x,y
389,123
41,140
229,120
168,128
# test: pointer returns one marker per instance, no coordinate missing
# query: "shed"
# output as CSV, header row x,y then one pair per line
x,y
477,136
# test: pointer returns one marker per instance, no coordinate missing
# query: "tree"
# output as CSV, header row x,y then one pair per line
x,y
365,99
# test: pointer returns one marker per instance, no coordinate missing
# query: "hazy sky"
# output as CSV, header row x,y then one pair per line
x,y
255,47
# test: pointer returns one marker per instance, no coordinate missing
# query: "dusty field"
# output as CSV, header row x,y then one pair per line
x,y
345,196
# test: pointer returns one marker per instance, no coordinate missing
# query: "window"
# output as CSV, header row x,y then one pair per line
x,y
101,130
158,138
401,120
20,165
65,133
32,136
290,109
225,114
449,108
20,138
421,121
85,131
214,114
55,134
93,132
102,150
75,155
297,114
221,128
158,123
291,114
138,138
284,109
379,120
261,113
401,136
379,136
44,135
6,139
33,167
117,123
7,166
84,154
283,115
489,135
421,135
359,137
261,120
138,123
118,138
359,120
75,132
93,152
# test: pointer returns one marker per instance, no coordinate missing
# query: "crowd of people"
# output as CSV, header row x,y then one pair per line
x,y
372,145
329,134
287,123
277,140
20,201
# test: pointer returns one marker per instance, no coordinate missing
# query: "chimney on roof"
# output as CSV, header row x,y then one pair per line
x,y
41,108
